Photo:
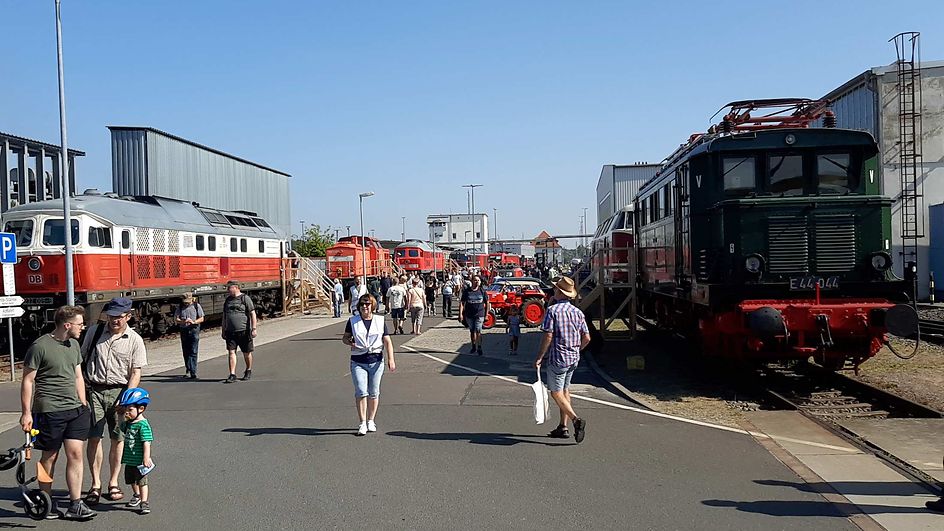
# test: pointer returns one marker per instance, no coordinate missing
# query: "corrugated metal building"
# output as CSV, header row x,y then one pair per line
x,y
869,102
146,161
618,185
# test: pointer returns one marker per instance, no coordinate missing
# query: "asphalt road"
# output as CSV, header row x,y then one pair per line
x,y
453,450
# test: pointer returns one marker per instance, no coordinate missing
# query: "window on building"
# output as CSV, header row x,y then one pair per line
x,y
200,245
453,235
53,230
99,237
786,174
478,234
739,175
243,245
211,243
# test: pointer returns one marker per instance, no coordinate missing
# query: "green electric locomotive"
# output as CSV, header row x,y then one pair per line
x,y
768,239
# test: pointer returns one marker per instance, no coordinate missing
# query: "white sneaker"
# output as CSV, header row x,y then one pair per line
x,y
362,429
371,426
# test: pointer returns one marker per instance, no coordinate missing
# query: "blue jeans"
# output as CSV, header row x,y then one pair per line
x,y
337,307
366,378
190,344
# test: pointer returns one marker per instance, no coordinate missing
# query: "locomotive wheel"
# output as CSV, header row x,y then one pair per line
x,y
532,312
489,321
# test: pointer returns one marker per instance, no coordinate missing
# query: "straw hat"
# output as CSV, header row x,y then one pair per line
x,y
566,286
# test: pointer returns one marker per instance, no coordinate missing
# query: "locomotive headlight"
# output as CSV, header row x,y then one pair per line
x,y
753,264
34,263
881,261
790,139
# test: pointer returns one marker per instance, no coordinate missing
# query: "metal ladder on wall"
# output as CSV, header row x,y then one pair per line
x,y
908,67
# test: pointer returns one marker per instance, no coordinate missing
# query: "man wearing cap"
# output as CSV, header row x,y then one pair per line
x,y
239,328
565,335
114,355
188,316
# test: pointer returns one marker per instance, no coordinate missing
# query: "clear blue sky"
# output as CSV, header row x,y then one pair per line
x,y
413,99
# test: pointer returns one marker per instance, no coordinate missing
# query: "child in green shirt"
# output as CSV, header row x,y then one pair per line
x,y
137,450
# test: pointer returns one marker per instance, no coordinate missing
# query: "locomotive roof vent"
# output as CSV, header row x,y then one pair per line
x,y
91,191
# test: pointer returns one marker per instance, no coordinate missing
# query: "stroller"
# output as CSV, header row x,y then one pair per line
x,y
36,502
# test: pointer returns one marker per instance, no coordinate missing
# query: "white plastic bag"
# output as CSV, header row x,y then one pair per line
x,y
540,400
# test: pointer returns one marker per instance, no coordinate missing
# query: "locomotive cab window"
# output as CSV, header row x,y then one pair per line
x,y
835,175
243,245
22,229
53,230
786,175
126,239
413,253
233,245
200,243
401,253
99,237
739,175
261,247
211,243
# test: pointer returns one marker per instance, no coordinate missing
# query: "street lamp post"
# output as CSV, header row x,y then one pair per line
x,y
472,188
303,229
584,230
465,238
403,229
495,221
363,243
348,230
65,185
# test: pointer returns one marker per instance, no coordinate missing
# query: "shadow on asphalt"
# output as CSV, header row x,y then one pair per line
x,y
336,338
874,488
252,432
809,508
496,439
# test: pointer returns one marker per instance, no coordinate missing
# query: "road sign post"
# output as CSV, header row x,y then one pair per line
x,y
8,259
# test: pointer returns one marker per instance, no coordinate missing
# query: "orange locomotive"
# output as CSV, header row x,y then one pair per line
x,y
151,249
346,259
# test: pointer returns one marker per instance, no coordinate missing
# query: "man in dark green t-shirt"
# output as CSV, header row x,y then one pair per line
x,y
52,397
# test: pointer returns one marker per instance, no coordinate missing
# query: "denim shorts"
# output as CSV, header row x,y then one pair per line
x,y
366,378
558,378
474,324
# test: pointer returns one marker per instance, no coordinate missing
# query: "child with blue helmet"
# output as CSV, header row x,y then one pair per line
x,y
137,450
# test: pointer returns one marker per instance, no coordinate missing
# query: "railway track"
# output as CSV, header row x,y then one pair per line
x,y
931,330
828,398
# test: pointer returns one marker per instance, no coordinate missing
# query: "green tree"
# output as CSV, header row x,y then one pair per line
x,y
314,242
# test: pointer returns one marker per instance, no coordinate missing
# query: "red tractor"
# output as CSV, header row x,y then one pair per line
x,y
530,295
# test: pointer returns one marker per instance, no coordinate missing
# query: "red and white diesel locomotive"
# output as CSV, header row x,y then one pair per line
x,y
417,256
151,249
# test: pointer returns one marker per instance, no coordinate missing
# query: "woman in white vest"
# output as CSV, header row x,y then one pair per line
x,y
367,335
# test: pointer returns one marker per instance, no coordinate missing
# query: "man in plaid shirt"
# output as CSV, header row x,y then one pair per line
x,y
565,335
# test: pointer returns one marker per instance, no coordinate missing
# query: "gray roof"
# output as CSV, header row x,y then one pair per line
x,y
195,144
52,148
149,212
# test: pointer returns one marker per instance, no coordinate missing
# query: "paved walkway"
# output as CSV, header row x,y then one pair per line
x,y
456,447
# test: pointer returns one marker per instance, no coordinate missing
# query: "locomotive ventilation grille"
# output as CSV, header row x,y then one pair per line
x,y
835,244
788,245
